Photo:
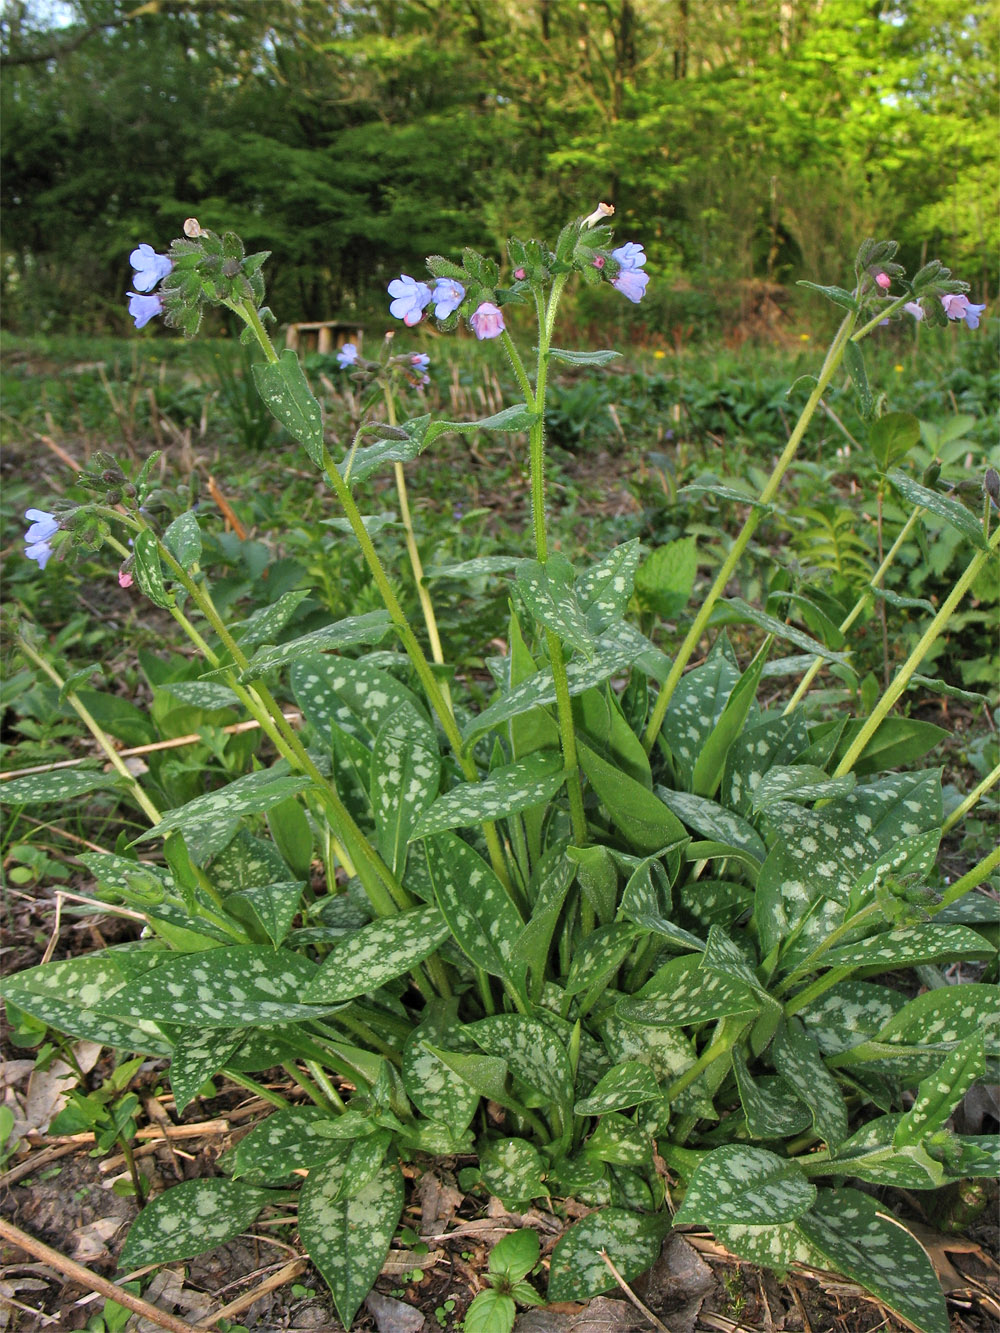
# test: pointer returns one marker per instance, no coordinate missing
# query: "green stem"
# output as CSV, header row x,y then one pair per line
x,y
856,610
972,799
96,730
833,359
711,1053
902,677
810,963
819,987
329,1091
251,1085
969,880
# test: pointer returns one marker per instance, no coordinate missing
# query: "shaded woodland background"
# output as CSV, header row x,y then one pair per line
x,y
741,142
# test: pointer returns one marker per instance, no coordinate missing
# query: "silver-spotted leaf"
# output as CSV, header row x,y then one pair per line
x,y
375,954
506,791
190,1218
372,627
742,1185
632,1242
532,1051
512,1169
627,1084
62,785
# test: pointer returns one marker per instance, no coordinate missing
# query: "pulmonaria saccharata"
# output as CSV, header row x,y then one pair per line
x,y
630,279
487,321
410,299
37,539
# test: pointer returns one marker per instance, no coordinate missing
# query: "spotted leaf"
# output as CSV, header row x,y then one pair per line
x,y
369,628
631,1241
190,1218
742,1185
507,790
532,1051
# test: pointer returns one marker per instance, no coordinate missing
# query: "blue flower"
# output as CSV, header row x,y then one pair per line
x,y
144,308
629,257
960,307
420,360
347,356
411,299
631,282
448,296
149,267
36,539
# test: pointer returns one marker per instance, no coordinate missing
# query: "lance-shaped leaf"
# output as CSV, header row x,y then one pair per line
x,y
287,1141
604,590
285,389
348,1239
506,791
547,591
631,1241
953,511
473,569
207,694
850,1013
741,612
572,358
63,785
512,1169
646,900
938,1095
870,1154
641,816
249,795
876,1251
945,1015
854,360
147,569
405,444
406,772
480,914
183,539
190,1218
838,295
430,1084
511,419
273,905
600,955
197,1057
242,986
267,622
797,1059
798,782
531,1050
698,488
354,695
707,772
771,1107
377,953
369,628
740,1185
680,992
906,946
627,1084
714,821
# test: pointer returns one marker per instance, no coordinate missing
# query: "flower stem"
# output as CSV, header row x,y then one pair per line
x,y
902,677
969,880
833,359
972,799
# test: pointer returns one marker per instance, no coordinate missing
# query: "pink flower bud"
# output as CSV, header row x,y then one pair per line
x,y
599,261
125,579
883,280
487,321
520,274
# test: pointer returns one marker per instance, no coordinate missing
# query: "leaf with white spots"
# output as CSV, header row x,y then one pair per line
x,y
620,1141
605,589
761,746
769,1246
284,388
947,1014
850,1013
273,906
430,1084
712,902
148,570
741,1185
289,1140
206,694
771,1107
512,1169
249,795
870,1154
348,1239
714,821
405,775
190,1218
242,986
798,782
709,765
696,706
515,787
183,539
547,591
735,611
480,913
797,1059
62,785
907,946
875,1251
355,695
667,1051
628,1084
267,622
632,1242
938,1095
377,953
646,901
360,463
602,952
531,1050
970,525
369,628
681,992
245,862
198,1056
478,568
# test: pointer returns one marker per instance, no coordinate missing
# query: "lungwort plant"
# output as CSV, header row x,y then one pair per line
x,y
622,922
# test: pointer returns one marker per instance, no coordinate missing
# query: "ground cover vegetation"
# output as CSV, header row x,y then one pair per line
x,y
608,866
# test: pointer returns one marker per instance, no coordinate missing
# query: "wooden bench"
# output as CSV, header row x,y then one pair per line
x,y
325,330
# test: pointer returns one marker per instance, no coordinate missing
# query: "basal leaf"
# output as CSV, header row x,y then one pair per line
x,y
190,1218
406,772
681,992
273,905
430,1084
696,706
707,772
642,817
742,1185
480,914
198,1056
907,946
512,1169
348,1239
938,1095
531,1050
631,1240
945,1016
375,954
249,795
517,786
60,785
714,821
771,1107
289,1140
354,695
600,955
797,1059
627,1084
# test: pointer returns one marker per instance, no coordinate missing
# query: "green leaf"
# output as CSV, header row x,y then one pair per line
x,y
480,914
714,821
738,612
944,1016
531,1050
485,1074
264,624
369,628
249,795
646,900
771,1107
490,1312
287,1141
952,511
547,591
147,570
906,946
198,1056
60,785
600,358
854,360
597,877
632,1242
512,419
512,1169
516,1255
877,1252
473,569
359,464
798,782
898,741
348,1239
206,694
506,791
837,295
406,773
430,1084
641,817
190,1218
797,1059
938,1095
665,579
354,695
292,836
707,772
627,1084
604,590
274,906
742,1185
600,955
891,438
697,488
285,389
183,540
377,953
680,992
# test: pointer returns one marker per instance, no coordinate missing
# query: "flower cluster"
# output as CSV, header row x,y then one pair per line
x,y
38,538
149,269
955,306
630,279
